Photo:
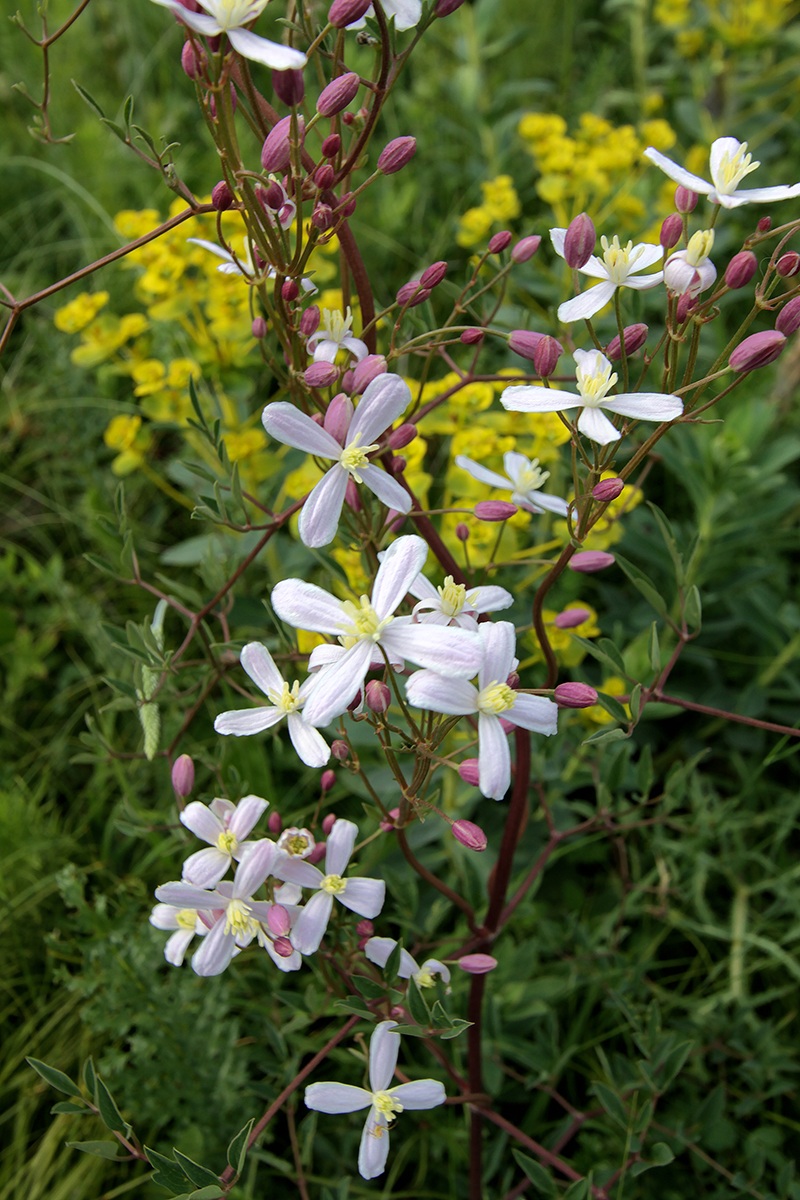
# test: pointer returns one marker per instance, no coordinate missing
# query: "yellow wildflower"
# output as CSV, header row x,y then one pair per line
x,y
80,312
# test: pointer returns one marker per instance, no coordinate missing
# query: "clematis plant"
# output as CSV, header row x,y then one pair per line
x,y
379,949
231,18
335,334
523,478
729,164
225,826
691,270
619,267
406,14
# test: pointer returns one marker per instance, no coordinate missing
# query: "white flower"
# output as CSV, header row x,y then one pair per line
x,y
406,14
379,949
285,701
384,1102
244,266
452,604
594,379
296,842
382,403
224,826
370,627
490,700
730,164
691,270
187,922
619,267
334,335
230,17
364,896
523,478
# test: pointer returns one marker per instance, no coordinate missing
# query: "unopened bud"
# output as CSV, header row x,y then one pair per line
x,y
328,822
499,242
445,7
276,153
546,354
588,561
275,822
764,225
477,964
433,275
324,176
322,217
524,342
579,241
570,618
397,466
346,206
494,510
788,319
341,752
278,920
608,489
377,696
788,264
331,146
512,681
473,336
289,290
575,695
345,12
288,86
320,375
686,303
671,231
338,94
634,337
327,780
365,371
365,928
317,854
758,350
270,197
741,269
526,248
258,328
183,776
469,771
685,199
390,820
397,154
353,501
309,322
462,532
402,436
283,947
412,294
338,416
469,834
193,60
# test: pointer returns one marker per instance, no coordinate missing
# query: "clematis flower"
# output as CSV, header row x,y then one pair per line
x,y
382,403
730,164
225,827
406,14
619,267
384,1102
691,270
369,629
490,700
452,604
230,17
335,334
186,923
285,701
364,896
379,949
594,379
244,266
523,478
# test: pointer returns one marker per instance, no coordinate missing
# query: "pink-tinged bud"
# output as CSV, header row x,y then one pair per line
x,y
331,146
685,199
353,501
397,466
341,752
324,177
276,153
462,532
412,294
445,7
764,225
397,154
338,94
283,947
494,510
686,304
347,382
368,369
346,206
546,354
270,197
338,416
401,437
289,290
320,375
258,328
329,820
212,101
183,776
365,928
580,241
499,242
788,264
288,86
390,820
477,964
634,337
512,681
575,695
506,726
275,822
433,275
309,322
322,217
377,696
524,342
608,489
788,320
526,248
473,336
193,60
278,920
327,780
317,854
469,771
470,835
741,269
671,231
570,618
317,418
758,350
589,561
345,12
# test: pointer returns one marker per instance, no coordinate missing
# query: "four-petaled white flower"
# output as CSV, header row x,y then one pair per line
x,y
406,14
230,17
384,400
379,949
730,164
285,701
454,604
224,826
364,896
595,379
335,334
490,700
691,270
186,922
619,267
245,265
384,1102
368,629
523,478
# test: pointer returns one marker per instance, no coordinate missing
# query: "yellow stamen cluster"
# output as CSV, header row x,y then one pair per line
x,y
227,842
594,386
386,1104
496,698
334,885
186,918
354,457
453,597
362,622
238,920
699,246
288,699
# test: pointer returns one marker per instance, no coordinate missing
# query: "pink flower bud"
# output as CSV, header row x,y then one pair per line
x,y
524,342
788,264
338,94
346,206
183,776
589,561
345,12
469,771
412,293
258,328
764,225
397,466
462,532
275,822
575,695
327,780
671,231
397,154
571,617
283,947
322,217
377,696
365,928
741,269
477,964
473,336
288,86
499,242
331,146
433,275
276,153
685,199
289,290
341,752
758,350
324,176
320,375
469,834
579,241
634,337
328,822
512,680
353,501
391,823
608,489
278,920
445,7
365,371
686,304
338,416
193,60
309,322
788,320
546,354
270,197
317,854
526,248
401,437
494,510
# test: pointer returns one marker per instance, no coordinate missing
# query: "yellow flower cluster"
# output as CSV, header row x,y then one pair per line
x,y
500,206
736,24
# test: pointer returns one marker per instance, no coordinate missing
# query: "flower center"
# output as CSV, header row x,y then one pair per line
x,y
298,843
354,457
732,170
619,259
238,920
425,978
596,383
231,14
453,597
186,918
699,247
227,842
496,698
386,1104
532,477
334,885
362,622
288,699
337,325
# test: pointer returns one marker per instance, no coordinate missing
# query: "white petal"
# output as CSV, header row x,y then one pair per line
x,y
558,237
527,398
258,663
202,822
319,516
293,963
205,868
254,868
379,949
311,747
422,588
767,195
429,690
374,1148
640,283
165,916
421,1093
364,896
588,303
721,149
482,474
340,844
678,173
220,251
289,425
385,398
494,759
199,22
336,1097
386,488
648,255
406,13
310,927
384,1046
645,406
338,684
499,640
259,49
436,968
177,945
594,425
307,606
187,895
489,599
400,566
248,811
450,651
595,268
297,872
216,951
536,501
536,713
242,722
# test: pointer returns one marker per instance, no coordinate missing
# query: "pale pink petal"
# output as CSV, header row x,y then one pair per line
x,y
202,822
421,1093
423,589
384,1046
482,474
241,722
430,690
177,945
494,760
319,516
310,926
216,951
338,684
336,1097
678,173
374,1148
379,949
386,488
363,896
588,303
187,895
205,868
293,963
645,406
297,871
258,663
271,54
536,713
527,398
489,599
339,847
385,398
254,868
406,13
593,424
307,606
311,747
248,811
165,916
499,640
450,651
399,567
289,425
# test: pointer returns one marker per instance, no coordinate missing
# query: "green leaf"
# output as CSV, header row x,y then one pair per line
x,y
673,1063
55,1078
613,707
69,1106
611,1103
237,1150
604,651
416,1005
670,542
578,1191
127,112
100,1150
146,138
660,1156
693,609
393,962
207,1193
167,1173
605,735
643,584
654,649
541,1179
370,988
90,100
116,129
353,1005
200,1176
456,1029
635,701
89,1077
109,1112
